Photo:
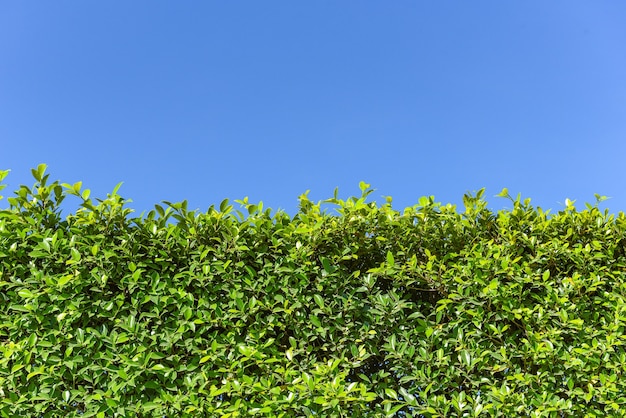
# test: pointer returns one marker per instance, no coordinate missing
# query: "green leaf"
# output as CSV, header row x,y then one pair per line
x,y
599,198
26,294
36,372
16,368
3,174
391,393
65,279
390,260
149,406
503,193
263,410
315,321
466,358
393,342
39,172
116,188
319,301
160,210
328,268
75,255
76,187
46,244
32,340
122,373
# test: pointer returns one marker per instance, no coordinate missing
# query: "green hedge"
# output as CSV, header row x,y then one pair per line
x,y
362,312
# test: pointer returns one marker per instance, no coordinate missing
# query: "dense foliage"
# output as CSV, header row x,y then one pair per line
x,y
368,312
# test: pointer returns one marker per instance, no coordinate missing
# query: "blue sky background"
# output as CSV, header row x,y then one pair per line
x,y
207,100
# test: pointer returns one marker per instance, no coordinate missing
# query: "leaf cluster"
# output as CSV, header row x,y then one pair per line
x,y
428,312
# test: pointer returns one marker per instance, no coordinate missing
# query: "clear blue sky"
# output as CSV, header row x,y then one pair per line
x,y
203,100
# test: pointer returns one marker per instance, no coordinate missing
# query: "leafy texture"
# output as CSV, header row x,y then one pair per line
x,y
429,312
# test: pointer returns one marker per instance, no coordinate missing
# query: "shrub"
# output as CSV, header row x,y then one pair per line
x,y
369,312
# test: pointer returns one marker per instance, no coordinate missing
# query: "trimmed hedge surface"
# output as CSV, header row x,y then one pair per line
x,y
371,312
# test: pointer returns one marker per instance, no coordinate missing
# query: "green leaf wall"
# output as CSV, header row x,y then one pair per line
x,y
366,311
